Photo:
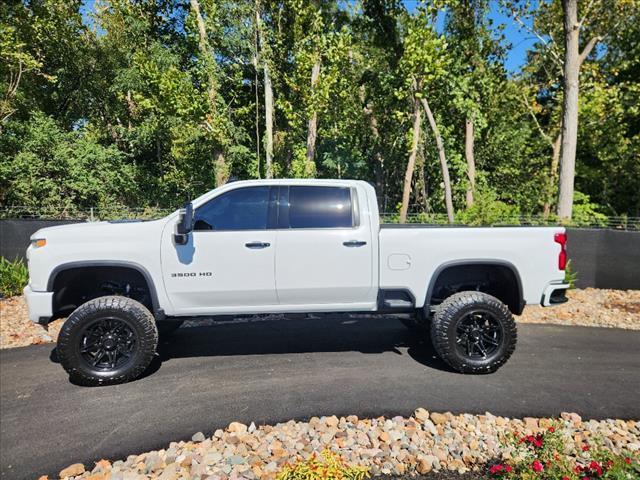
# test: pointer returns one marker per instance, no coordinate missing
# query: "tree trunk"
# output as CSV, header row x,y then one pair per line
x,y
443,160
378,165
312,128
408,176
569,108
220,166
205,51
471,161
268,95
553,175
268,116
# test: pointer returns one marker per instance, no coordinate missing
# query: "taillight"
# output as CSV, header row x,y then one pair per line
x,y
561,238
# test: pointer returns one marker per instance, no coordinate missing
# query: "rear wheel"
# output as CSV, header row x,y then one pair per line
x,y
107,340
473,332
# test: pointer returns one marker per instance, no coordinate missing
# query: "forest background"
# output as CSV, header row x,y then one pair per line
x,y
118,104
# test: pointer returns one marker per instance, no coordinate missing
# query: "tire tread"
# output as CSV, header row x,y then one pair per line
x,y
446,313
148,341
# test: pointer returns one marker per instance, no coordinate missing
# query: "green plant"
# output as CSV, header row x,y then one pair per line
x,y
585,212
328,466
546,456
488,210
570,275
13,277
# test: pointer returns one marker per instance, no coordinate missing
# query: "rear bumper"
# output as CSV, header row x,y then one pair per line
x,y
554,294
40,305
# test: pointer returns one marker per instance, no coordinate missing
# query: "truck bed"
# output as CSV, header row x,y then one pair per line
x,y
412,254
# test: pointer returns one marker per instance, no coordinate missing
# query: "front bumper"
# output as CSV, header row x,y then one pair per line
x,y
40,305
554,294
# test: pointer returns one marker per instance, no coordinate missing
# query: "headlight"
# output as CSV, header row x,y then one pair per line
x,y
38,242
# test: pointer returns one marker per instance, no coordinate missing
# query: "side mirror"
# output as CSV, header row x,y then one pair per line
x,y
185,225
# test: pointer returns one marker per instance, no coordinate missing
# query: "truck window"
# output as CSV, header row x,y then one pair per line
x,y
241,209
320,207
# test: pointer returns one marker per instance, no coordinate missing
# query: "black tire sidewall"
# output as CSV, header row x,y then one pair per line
x,y
444,334
134,314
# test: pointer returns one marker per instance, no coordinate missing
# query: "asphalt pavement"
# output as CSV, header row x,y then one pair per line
x,y
270,371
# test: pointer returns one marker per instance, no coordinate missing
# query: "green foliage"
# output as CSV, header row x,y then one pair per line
x,y
126,105
570,275
546,455
65,170
488,210
328,466
14,276
586,212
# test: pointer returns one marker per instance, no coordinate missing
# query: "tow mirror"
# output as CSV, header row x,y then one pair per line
x,y
185,225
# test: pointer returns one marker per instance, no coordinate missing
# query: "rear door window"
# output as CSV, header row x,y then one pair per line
x,y
320,207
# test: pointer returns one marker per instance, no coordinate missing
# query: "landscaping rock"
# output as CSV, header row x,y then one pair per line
x,y
425,443
72,470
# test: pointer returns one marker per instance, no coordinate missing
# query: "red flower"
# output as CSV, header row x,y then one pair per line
x,y
577,469
508,469
537,466
595,466
627,460
565,478
586,448
495,469
551,429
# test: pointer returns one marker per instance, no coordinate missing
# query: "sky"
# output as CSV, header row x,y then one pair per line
x,y
520,40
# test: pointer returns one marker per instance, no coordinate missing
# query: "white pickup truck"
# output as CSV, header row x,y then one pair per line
x,y
282,246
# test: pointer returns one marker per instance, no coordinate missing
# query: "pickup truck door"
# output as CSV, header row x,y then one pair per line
x,y
228,264
324,252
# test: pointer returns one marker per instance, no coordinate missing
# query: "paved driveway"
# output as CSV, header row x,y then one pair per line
x,y
278,370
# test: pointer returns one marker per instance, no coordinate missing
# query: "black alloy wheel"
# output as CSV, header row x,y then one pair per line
x,y
108,344
478,335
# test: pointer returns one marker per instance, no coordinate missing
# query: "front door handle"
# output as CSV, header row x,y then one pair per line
x,y
354,243
256,245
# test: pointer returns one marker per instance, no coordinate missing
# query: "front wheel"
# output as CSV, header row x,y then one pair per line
x,y
473,332
107,340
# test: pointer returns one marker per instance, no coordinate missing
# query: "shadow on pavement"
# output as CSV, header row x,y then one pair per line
x,y
296,334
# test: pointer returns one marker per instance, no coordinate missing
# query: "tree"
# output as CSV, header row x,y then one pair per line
x,y
212,123
424,61
571,79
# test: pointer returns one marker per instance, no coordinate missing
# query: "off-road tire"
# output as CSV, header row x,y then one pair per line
x,y
167,327
137,318
444,326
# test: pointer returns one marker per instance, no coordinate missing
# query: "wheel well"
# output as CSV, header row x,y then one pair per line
x,y
74,286
500,281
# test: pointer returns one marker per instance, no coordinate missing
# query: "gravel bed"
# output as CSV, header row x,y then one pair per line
x,y
589,307
425,443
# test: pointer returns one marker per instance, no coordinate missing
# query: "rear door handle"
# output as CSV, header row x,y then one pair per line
x,y
354,243
256,245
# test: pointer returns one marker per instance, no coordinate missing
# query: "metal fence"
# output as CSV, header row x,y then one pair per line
x,y
599,222
149,213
